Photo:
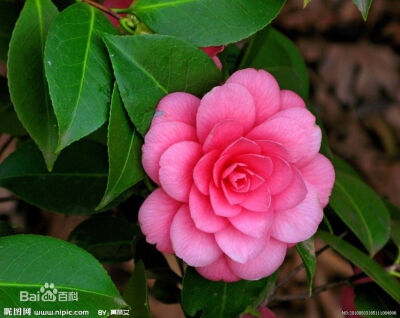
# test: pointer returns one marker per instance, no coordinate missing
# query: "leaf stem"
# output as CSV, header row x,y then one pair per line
x,y
103,9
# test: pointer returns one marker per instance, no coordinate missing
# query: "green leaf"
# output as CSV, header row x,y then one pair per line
x,y
29,261
26,79
395,226
362,210
8,16
124,152
5,229
363,6
135,293
218,299
107,238
207,22
78,71
306,251
269,49
342,165
144,78
366,264
370,297
75,186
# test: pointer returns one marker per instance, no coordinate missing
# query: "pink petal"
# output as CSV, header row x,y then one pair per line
x,y
301,116
302,144
272,149
267,262
238,246
231,196
202,173
219,270
195,247
264,89
294,193
155,218
220,205
252,223
320,173
212,50
222,135
290,99
217,62
280,177
259,164
158,139
229,101
258,200
301,222
116,4
176,169
177,106
265,313
203,214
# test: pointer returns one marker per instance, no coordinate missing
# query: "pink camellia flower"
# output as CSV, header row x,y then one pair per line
x,y
212,52
265,313
239,176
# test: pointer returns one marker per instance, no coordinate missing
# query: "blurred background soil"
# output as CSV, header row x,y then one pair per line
x,y
355,87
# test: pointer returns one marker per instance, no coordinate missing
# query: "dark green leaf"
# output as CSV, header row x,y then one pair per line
x,y
366,264
124,152
143,78
29,261
363,6
135,293
107,238
362,210
342,165
8,16
26,79
395,226
370,297
207,22
166,292
306,251
74,187
271,50
218,299
78,71
5,229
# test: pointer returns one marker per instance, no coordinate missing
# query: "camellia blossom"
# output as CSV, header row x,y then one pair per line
x,y
212,52
240,177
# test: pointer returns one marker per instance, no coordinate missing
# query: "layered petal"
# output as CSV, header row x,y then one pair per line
x,y
195,247
177,106
259,164
301,116
155,218
176,169
263,87
267,262
281,175
219,270
258,200
301,222
251,223
226,102
273,149
158,139
220,204
290,99
320,173
203,171
222,135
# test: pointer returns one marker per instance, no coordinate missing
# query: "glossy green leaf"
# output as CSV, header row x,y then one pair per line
x,y
370,297
269,49
78,71
29,261
218,299
306,251
5,229
135,293
124,152
363,6
207,22
144,78
365,263
362,210
342,165
75,186
8,16
26,79
395,226
107,238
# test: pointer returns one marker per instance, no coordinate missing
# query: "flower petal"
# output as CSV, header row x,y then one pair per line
x,y
290,99
301,222
222,135
202,173
267,262
280,177
158,139
258,200
155,218
237,245
219,270
251,223
301,116
263,87
229,101
320,173
195,247
203,214
220,205
259,164
176,169
272,149
177,106
294,193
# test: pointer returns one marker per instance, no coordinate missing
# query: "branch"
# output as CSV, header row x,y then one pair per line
x,y
104,9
